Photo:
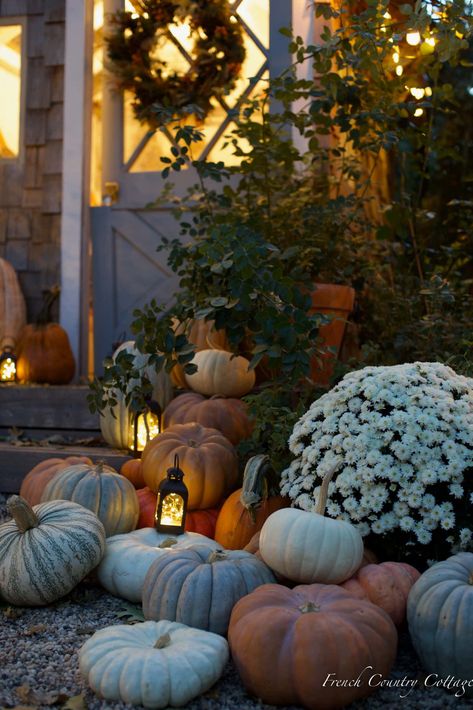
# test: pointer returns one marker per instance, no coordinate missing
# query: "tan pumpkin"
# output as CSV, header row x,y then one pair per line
x,y
245,511
387,585
226,414
221,372
202,334
288,644
208,459
37,479
133,470
12,306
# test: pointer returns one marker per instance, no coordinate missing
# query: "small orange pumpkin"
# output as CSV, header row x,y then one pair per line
x,y
387,585
37,479
208,459
132,469
226,414
244,512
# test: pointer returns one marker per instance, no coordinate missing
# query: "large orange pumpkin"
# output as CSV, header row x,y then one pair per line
x,y
228,415
288,644
387,585
245,511
132,469
208,459
202,334
44,351
37,479
199,521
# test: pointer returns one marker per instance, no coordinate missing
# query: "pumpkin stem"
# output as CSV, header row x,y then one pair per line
x,y
99,466
163,641
308,607
168,542
22,513
322,501
217,556
49,296
255,489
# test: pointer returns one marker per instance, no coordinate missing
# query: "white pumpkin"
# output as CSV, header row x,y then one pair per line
x,y
153,664
128,557
117,426
46,550
308,547
220,372
440,618
12,306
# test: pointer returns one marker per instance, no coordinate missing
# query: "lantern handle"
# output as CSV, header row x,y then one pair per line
x,y
176,460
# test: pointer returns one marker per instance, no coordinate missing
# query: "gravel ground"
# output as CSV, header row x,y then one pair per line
x,y
39,668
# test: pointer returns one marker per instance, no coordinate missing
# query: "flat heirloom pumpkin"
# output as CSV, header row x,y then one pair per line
x,y
153,664
199,587
440,619
101,489
288,644
128,557
46,550
308,547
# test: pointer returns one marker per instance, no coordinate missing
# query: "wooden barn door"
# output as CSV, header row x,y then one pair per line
x,y
127,270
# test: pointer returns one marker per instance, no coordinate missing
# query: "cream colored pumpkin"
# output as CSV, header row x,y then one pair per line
x,y
12,306
153,664
128,557
117,425
308,547
220,372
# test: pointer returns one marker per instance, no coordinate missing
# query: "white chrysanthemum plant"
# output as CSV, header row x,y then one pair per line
x,y
402,437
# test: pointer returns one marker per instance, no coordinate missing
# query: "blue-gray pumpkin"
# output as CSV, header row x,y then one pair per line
x,y
440,618
101,489
199,587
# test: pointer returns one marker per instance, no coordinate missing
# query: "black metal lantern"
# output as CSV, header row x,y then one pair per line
x,y
7,365
171,505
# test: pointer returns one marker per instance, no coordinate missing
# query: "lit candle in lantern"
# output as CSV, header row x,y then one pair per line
x,y
145,426
7,366
171,504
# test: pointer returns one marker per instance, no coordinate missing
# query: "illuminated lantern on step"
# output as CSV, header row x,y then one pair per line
x,y
7,366
171,504
145,426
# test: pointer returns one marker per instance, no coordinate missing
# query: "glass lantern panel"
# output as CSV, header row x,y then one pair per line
x,y
172,510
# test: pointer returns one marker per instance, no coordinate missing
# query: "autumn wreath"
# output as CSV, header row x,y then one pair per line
x,y
215,61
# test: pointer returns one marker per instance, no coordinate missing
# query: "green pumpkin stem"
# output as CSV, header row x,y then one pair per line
x,y
22,513
163,641
168,542
257,479
49,297
322,501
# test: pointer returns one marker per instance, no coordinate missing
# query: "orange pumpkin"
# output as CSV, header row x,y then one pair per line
x,y
202,334
225,414
208,459
387,585
36,480
147,502
200,521
44,352
132,470
245,511
286,643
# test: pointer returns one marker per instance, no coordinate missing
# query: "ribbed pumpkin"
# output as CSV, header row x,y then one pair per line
x,y
220,372
12,306
440,618
286,643
100,489
308,547
117,425
387,585
132,470
132,664
44,351
226,414
36,480
208,459
128,558
46,550
203,335
199,587
245,511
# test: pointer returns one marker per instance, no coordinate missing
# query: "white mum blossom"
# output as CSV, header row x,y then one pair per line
x,y
402,440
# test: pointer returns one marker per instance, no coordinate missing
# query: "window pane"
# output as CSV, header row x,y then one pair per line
x,y
10,90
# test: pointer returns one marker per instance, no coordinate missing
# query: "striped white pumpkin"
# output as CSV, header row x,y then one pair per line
x,y
46,550
128,557
102,490
153,664
12,306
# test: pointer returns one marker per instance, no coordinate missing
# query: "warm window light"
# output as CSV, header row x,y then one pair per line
x,y
7,366
171,504
413,38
